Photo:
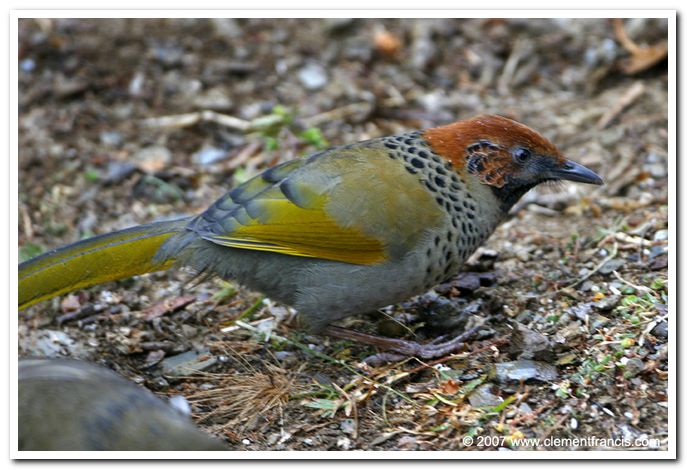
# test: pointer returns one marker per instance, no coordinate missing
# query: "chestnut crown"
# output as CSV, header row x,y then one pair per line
x,y
505,154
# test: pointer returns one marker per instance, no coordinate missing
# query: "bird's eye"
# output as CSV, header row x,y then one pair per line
x,y
521,155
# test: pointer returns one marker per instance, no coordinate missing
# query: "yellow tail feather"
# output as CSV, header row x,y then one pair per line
x,y
104,258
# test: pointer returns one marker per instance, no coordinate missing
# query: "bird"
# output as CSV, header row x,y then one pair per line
x,y
341,232
68,404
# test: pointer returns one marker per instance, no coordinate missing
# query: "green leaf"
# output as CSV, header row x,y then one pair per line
x,y
91,176
314,137
227,291
498,408
271,143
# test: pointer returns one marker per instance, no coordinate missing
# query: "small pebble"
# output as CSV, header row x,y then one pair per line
x,y
657,250
343,443
168,55
607,303
118,170
153,158
524,369
312,76
136,84
27,65
179,403
612,265
633,367
283,355
111,138
661,235
348,426
187,363
661,330
482,396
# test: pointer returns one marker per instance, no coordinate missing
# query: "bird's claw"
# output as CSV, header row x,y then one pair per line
x,y
399,348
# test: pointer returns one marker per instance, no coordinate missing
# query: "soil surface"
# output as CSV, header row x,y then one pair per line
x,y
128,121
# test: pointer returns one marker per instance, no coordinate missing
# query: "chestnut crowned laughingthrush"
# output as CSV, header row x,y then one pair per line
x,y
64,404
343,231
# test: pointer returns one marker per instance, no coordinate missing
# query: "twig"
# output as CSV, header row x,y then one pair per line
x,y
556,425
632,93
642,57
622,37
190,119
635,241
26,218
244,155
612,255
354,408
338,114
640,289
520,49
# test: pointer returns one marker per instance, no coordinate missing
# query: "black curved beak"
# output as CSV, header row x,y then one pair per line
x,y
571,171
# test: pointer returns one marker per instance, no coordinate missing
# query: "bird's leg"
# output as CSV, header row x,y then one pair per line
x,y
401,346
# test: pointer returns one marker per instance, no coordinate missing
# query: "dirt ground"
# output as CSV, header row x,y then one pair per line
x,y
124,122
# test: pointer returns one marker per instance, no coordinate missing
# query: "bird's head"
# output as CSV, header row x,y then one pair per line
x,y
506,155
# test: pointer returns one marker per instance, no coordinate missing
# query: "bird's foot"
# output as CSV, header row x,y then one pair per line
x,y
400,348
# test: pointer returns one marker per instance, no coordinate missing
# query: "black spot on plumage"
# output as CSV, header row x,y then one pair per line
x,y
440,201
470,215
390,145
441,171
417,163
423,154
437,240
412,150
475,164
441,182
412,171
452,197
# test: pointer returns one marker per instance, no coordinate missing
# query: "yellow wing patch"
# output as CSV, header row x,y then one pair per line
x,y
287,217
302,232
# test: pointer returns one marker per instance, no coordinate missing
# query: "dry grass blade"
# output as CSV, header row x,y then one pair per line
x,y
243,398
